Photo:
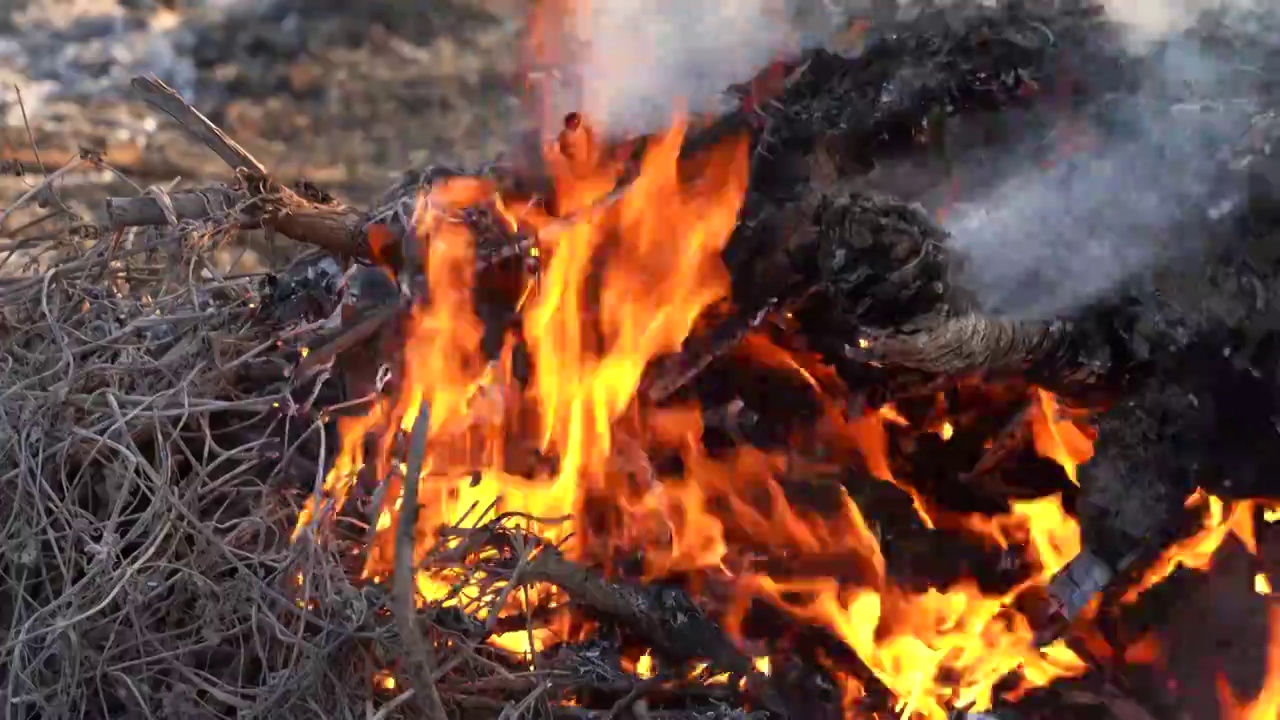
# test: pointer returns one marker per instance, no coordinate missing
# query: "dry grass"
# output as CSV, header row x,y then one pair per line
x,y
144,532
154,456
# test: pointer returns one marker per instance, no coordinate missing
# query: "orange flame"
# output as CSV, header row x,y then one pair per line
x,y
625,278
1266,706
1196,552
1056,435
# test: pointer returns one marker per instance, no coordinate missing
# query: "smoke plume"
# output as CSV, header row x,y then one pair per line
x,y
632,63
1050,240
1046,240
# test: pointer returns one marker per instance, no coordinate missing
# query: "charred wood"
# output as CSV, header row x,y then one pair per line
x,y
664,617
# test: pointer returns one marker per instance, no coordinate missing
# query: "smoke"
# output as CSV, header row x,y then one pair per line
x,y
1050,240
1153,20
631,64
1043,242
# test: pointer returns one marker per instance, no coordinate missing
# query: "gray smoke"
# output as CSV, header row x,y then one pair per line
x,y
634,62
1048,241
1045,241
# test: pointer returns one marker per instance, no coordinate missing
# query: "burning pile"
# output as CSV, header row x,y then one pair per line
x,y
704,423
621,412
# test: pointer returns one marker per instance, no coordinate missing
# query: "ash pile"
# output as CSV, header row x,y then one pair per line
x,y
935,378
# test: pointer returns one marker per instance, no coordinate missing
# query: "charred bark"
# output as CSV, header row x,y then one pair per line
x,y
664,617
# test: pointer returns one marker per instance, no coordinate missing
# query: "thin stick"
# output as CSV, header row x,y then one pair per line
x,y
167,100
31,136
48,182
421,652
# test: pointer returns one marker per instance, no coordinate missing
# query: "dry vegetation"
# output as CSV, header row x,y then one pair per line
x,y
146,561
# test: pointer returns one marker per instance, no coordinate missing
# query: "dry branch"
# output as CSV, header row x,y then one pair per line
x,y
166,99
337,229
183,206
664,617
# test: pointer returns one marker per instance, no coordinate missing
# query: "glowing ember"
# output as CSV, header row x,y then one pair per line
x,y
384,680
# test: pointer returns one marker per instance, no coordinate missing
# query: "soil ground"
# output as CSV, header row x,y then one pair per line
x,y
348,95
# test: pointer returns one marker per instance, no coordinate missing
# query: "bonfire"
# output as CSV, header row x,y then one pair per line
x,y
704,423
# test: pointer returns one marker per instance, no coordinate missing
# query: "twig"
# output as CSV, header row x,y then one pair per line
x,y
361,331
677,371
31,136
634,694
48,182
666,618
167,100
421,651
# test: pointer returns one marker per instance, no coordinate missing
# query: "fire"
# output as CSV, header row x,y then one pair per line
x,y
947,646
592,328
1196,552
384,680
1266,706
626,275
644,666
653,288
1057,436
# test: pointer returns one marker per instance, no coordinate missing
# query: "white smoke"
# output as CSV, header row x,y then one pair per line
x,y
1049,240
633,63
1150,20
1044,242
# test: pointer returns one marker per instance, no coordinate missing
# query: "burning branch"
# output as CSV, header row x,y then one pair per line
x,y
665,617
422,654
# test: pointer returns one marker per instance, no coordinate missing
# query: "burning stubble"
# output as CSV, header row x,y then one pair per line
x,y
1055,237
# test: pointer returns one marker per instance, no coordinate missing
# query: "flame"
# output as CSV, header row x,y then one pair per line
x,y
1266,706
1196,552
653,288
1262,584
1056,435
946,430
644,666
625,276
937,649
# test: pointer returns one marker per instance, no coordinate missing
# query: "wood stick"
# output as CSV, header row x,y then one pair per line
x,y
339,230
147,211
666,618
167,100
